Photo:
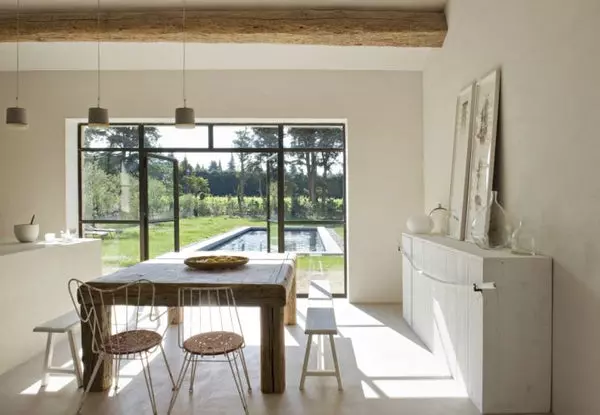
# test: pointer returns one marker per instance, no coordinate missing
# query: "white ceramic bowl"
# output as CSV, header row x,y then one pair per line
x,y
26,232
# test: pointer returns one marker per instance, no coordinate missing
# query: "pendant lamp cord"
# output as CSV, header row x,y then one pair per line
x,y
184,50
98,49
18,47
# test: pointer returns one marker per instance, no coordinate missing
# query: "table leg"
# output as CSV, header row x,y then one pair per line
x,y
175,315
89,358
272,350
290,306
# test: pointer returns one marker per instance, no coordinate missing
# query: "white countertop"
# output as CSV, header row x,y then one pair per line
x,y
471,248
13,247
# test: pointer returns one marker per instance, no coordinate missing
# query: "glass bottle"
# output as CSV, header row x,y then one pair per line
x,y
499,231
522,241
440,217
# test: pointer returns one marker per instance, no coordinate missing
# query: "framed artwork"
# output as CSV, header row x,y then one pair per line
x,y
459,179
483,146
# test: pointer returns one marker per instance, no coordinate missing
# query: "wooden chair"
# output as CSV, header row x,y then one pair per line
x,y
128,339
210,331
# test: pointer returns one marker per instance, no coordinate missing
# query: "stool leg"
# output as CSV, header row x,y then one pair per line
x,y
47,360
335,362
305,365
75,357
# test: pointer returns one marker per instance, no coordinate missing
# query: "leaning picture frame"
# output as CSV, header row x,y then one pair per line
x,y
461,154
483,152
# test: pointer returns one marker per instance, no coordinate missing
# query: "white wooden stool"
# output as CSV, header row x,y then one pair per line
x,y
60,325
320,321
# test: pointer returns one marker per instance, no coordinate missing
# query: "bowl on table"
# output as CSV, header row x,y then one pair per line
x,y
214,262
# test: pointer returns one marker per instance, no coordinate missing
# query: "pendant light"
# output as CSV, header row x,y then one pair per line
x,y
16,117
184,116
98,116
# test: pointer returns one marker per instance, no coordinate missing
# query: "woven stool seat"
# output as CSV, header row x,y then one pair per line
x,y
132,341
213,343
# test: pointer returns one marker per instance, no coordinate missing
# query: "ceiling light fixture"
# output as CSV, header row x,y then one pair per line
x,y
16,117
184,116
98,116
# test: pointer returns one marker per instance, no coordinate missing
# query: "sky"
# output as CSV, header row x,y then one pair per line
x,y
198,137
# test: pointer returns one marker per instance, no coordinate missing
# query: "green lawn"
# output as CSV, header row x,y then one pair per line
x,y
124,249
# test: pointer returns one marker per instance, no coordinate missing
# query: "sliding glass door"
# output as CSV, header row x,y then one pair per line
x,y
160,204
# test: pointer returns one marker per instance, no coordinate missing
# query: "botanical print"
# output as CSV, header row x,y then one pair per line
x,y
483,150
482,131
460,163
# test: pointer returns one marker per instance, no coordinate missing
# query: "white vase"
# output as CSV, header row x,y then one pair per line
x,y
419,224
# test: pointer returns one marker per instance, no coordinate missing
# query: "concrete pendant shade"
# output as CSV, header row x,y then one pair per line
x,y
16,117
185,118
98,117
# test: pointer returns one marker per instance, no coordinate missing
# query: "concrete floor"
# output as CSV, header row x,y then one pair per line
x,y
385,370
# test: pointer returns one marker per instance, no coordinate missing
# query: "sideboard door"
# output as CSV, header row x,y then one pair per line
x,y
475,338
422,302
407,281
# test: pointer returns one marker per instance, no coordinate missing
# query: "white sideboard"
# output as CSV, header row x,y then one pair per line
x,y
34,280
497,342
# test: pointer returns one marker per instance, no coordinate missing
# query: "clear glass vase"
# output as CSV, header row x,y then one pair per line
x,y
496,235
523,241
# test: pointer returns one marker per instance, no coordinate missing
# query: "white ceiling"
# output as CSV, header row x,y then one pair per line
x,y
221,4
37,56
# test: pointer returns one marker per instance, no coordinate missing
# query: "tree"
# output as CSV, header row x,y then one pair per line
x,y
263,137
101,192
231,164
119,138
195,185
243,140
307,138
160,199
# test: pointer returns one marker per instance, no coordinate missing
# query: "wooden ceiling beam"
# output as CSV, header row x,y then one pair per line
x,y
308,27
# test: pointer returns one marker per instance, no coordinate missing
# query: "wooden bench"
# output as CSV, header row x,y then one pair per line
x,y
320,321
64,324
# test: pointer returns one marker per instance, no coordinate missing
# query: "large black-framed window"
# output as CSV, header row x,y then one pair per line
x,y
304,185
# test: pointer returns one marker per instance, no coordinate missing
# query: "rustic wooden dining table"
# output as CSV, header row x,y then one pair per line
x,y
268,281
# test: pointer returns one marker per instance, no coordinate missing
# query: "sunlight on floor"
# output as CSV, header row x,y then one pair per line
x,y
396,388
385,369
55,384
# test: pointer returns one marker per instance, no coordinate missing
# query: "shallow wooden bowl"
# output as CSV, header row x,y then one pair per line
x,y
213,262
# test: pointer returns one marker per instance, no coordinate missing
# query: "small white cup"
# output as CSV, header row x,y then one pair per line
x,y
50,237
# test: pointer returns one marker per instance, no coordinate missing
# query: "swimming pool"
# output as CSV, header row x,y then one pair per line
x,y
298,239
256,240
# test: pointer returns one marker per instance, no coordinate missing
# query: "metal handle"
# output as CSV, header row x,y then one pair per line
x,y
486,286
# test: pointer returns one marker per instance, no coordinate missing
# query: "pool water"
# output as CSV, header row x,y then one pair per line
x,y
256,240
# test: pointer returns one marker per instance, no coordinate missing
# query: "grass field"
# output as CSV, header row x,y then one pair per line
x,y
123,249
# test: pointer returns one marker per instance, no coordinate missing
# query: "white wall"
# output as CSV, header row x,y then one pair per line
x,y
383,112
548,155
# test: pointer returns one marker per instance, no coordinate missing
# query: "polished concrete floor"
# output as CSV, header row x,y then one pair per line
x,y
385,370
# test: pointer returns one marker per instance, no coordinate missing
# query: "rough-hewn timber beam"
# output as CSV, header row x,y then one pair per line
x,y
313,27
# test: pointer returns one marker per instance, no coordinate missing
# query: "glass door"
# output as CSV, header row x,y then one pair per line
x,y
314,193
160,204
274,216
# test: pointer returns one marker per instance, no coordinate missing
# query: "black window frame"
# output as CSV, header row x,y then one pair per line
x,y
280,151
